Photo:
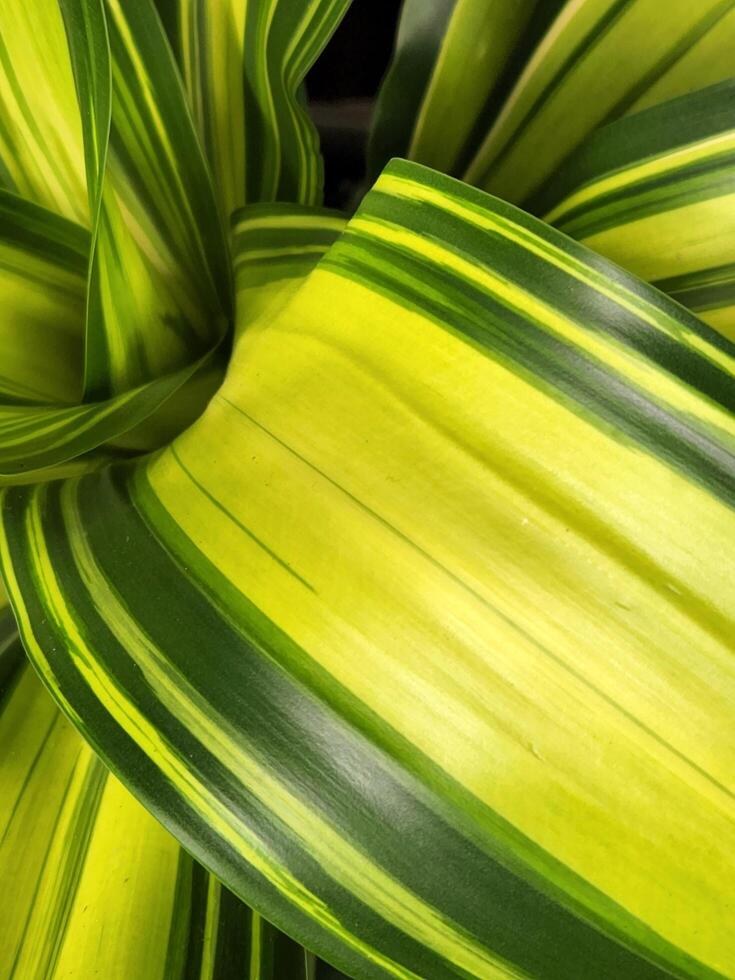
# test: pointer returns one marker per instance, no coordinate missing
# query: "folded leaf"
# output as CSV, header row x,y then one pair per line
x,y
243,62
40,436
656,192
276,246
93,885
43,265
159,292
421,638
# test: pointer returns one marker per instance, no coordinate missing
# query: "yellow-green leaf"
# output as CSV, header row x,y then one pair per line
x,y
421,637
656,192
92,883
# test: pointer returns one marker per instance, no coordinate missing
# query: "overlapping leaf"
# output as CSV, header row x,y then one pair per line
x,y
421,637
98,887
41,147
419,631
656,192
243,62
503,92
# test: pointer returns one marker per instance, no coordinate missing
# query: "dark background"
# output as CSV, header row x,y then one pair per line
x,y
341,88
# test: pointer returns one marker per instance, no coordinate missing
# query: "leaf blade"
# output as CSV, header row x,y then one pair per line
x,y
269,750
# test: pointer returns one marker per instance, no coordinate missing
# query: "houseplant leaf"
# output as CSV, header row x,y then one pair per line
x,y
243,63
43,279
159,291
655,191
501,93
93,884
444,570
41,147
453,65
568,88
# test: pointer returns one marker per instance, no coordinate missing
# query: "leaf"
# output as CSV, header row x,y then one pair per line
x,y
276,246
656,192
34,437
421,638
11,652
599,59
159,292
421,30
465,74
43,260
41,150
93,885
243,62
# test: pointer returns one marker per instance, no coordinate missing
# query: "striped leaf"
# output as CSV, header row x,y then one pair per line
x,y
421,638
159,292
35,437
599,60
656,192
93,885
465,73
243,62
421,30
504,91
41,148
455,62
275,247
11,652
43,264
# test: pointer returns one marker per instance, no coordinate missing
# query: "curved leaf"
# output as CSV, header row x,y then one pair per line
x,y
43,260
276,246
43,265
11,652
421,638
421,31
454,63
159,291
656,193
465,74
41,149
34,437
597,61
243,62
93,885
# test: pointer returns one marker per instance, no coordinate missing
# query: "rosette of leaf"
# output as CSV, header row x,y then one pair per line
x,y
419,635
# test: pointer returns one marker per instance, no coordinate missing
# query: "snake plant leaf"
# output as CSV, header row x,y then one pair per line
x,y
93,885
656,192
421,637
243,63
568,87
41,147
